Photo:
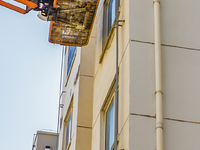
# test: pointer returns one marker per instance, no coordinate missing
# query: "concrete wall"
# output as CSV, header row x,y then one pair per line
x,y
181,57
104,75
85,100
79,88
181,71
72,93
44,139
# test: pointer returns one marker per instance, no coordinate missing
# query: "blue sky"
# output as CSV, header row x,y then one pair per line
x,y
29,79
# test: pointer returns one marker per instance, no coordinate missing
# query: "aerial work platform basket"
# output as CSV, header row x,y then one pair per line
x,y
72,23
71,20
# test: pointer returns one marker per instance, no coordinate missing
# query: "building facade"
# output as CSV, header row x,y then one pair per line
x,y
88,92
44,140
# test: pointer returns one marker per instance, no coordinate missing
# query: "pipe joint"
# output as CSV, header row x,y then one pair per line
x,y
159,125
159,91
156,1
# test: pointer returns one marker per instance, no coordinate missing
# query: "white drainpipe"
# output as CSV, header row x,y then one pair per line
x,y
158,77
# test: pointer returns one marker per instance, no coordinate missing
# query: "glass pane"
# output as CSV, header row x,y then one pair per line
x,y
112,12
71,54
110,126
69,128
68,131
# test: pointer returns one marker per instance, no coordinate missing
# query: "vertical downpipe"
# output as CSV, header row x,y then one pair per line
x,y
116,93
158,77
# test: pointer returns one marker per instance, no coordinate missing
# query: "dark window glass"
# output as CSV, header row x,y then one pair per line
x,y
109,18
71,54
111,14
110,126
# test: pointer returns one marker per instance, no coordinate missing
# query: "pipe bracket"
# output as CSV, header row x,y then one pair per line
x,y
158,1
159,125
159,91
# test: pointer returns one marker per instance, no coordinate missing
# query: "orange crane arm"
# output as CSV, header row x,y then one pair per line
x,y
27,3
16,8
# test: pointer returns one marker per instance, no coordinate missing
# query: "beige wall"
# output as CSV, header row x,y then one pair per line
x,y
72,91
180,45
43,139
181,72
104,76
81,91
136,75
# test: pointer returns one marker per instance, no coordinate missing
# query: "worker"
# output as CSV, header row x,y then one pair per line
x,y
44,8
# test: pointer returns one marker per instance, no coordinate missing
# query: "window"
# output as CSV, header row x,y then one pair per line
x,y
111,14
71,54
108,22
68,131
47,148
107,118
108,18
110,127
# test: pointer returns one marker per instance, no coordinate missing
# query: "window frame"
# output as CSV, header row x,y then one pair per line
x,y
70,61
111,20
69,115
107,25
107,136
110,97
68,131
108,28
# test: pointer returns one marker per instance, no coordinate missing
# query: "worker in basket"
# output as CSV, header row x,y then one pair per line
x,y
43,8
